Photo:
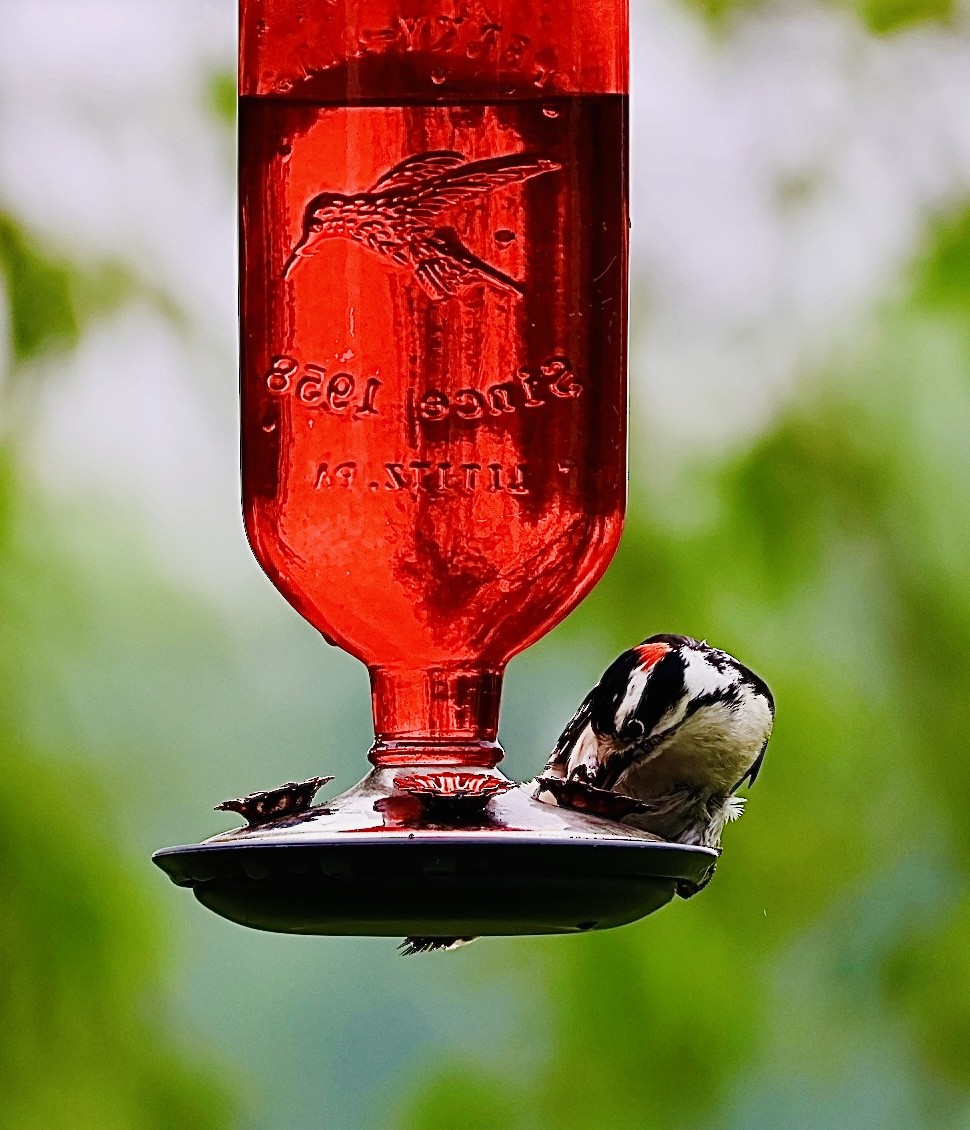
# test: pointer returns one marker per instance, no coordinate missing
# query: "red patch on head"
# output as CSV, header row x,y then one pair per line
x,y
651,653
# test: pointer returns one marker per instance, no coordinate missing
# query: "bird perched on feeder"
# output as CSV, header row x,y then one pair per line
x,y
663,742
397,217
677,725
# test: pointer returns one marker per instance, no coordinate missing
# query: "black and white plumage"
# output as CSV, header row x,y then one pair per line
x,y
411,946
676,724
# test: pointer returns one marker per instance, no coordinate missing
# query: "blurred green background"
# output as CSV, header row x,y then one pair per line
x,y
800,495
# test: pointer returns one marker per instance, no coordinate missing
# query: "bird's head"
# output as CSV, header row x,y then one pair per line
x,y
637,689
670,685
322,219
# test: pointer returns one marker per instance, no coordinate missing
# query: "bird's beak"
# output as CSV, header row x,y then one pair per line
x,y
298,252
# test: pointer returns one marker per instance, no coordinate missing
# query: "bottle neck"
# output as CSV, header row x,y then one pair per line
x,y
438,716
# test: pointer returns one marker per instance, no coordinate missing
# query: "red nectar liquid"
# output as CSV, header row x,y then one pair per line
x,y
434,292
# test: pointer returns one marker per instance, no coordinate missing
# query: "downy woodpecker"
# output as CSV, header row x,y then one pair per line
x,y
674,724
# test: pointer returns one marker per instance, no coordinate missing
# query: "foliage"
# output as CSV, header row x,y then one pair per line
x,y
52,297
883,17
86,1041
221,96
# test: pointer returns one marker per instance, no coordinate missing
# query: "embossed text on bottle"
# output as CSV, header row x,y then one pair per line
x,y
433,363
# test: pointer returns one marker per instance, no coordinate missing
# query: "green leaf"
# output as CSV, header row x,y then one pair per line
x,y
40,293
882,17
886,16
52,299
221,96
944,275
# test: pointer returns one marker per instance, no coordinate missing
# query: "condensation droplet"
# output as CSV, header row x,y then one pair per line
x,y
285,150
503,237
549,112
438,75
374,486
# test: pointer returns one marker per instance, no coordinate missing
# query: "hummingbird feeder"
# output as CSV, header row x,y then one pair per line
x,y
433,229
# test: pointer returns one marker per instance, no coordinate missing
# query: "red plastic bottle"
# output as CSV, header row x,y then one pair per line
x,y
434,320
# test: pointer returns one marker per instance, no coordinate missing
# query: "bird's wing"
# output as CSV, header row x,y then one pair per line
x,y
558,761
445,267
752,774
414,171
467,181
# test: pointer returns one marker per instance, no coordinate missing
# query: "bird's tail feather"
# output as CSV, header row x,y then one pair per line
x,y
412,946
734,808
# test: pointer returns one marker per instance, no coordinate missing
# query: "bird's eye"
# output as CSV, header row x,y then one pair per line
x,y
632,730
316,224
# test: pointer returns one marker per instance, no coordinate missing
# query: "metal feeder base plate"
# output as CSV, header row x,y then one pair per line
x,y
376,861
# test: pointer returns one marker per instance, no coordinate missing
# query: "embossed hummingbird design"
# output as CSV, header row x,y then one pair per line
x,y
396,218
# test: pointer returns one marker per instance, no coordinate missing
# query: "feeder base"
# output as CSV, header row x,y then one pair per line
x,y
379,861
